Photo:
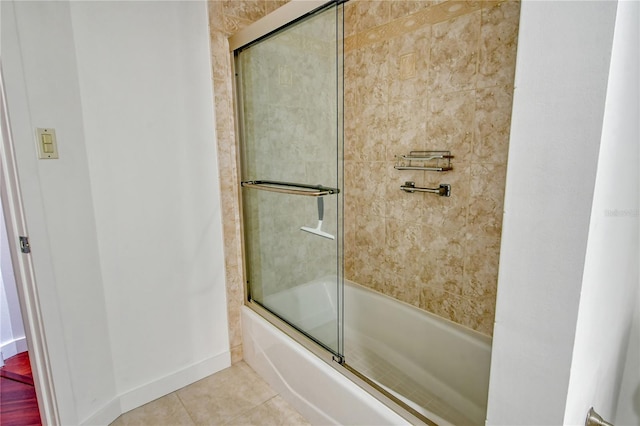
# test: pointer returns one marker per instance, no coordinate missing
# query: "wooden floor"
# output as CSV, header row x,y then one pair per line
x,y
18,404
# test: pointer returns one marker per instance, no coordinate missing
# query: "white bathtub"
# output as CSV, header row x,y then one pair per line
x,y
442,367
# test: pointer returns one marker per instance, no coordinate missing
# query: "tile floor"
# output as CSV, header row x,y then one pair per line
x,y
234,396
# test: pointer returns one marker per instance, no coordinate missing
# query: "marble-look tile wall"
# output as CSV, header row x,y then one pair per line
x,y
404,90
428,75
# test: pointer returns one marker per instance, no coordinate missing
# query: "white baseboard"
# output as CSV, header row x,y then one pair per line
x,y
105,415
136,397
13,348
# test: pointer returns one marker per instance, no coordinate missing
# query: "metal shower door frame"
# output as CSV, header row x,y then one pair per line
x,y
286,15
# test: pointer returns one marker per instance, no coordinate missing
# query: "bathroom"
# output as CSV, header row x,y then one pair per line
x,y
122,257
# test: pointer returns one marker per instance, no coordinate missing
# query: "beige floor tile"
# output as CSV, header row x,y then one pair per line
x,y
225,395
274,412
167,410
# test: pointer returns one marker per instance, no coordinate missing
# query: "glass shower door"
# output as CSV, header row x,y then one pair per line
x,y
289,88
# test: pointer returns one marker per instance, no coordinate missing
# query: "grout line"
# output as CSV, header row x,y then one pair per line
x,y
185,408
250,409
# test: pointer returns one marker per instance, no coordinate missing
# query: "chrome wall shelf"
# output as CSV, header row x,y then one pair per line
x,y
433,161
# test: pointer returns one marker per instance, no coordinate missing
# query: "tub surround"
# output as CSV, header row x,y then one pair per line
x,y
419,97
428,76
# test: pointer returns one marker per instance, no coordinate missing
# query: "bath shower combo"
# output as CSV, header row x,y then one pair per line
x,y
296,110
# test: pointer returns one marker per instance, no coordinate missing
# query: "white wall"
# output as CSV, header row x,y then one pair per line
x,y
42,91
610,285
560,86
145,80
125,227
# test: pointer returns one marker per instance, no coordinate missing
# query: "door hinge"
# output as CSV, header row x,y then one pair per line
x,y
24,245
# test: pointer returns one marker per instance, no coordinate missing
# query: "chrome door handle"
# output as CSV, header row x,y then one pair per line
x,y
594,419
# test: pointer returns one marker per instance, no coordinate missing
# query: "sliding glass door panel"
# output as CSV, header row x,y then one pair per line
x,y
289,88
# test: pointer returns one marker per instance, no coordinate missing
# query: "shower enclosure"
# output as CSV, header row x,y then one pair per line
x,y
372,163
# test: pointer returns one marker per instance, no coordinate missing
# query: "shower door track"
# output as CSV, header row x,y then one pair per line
x,y
284,15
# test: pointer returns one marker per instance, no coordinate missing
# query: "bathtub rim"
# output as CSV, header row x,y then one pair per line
x,y
354,291
393,403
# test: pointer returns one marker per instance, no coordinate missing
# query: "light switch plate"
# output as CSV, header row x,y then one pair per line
x,y
47,143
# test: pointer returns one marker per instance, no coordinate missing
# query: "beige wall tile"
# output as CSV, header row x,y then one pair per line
x,y
448,215
236,354
403,206
371,13
454,55
402,8
232,24
436,100
440,11
498,43
373,85
478,314
408,61
250,10
444,259
492,124
486,198
352,72
418,75
271,5
450,123
218,44
368,254
442,303
216,12
407,127
481,266
350,18
369,138
365,196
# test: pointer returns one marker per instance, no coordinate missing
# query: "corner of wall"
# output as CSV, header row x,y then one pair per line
x,y
561,76
157,388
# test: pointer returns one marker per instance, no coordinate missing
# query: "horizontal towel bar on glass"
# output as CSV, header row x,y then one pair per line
x,y
444,190
433,161
290,188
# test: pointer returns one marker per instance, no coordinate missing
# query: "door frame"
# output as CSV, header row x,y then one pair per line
x,y
12,208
